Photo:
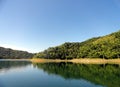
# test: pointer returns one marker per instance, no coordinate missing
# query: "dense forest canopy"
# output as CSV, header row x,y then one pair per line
x,y
100,47
6,53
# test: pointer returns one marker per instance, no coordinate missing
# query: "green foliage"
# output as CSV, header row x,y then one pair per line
x,y
101,47
64,51
6,53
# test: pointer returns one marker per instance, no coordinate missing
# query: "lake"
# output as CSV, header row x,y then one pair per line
x,y
27,74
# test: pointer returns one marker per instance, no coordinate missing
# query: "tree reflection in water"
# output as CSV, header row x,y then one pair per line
x,y
106,74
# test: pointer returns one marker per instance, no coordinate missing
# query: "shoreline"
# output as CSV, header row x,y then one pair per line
x,y
81,61
15,59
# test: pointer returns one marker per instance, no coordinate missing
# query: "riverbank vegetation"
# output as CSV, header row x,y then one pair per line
x,y
106,47
80,61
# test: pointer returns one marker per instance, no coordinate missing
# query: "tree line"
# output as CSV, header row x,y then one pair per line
x,y
99,47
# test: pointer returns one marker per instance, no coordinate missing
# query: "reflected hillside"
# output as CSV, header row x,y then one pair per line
x,y
106,75
8,65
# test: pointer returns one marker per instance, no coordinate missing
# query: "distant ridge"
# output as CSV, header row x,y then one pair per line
x,y
7,53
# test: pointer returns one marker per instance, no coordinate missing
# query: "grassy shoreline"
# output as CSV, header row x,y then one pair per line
x,y
82,61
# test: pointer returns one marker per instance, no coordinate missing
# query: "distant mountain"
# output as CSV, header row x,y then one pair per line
x,y
7,53
100,47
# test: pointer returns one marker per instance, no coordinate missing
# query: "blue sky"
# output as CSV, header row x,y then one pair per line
x,y
35,25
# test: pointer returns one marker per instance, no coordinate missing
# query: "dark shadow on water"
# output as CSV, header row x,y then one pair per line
x,y
103,74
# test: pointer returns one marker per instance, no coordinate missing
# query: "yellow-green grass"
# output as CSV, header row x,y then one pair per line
x,y
81,60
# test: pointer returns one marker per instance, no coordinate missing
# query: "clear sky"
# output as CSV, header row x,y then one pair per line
x,y
35,25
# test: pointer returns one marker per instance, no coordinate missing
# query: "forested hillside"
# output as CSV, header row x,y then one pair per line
x,y
6,53
101,47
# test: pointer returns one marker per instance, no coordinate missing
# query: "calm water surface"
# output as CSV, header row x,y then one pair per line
x,y
26,74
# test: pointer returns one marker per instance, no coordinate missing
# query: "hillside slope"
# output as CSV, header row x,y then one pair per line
x,y
6,53
101,47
